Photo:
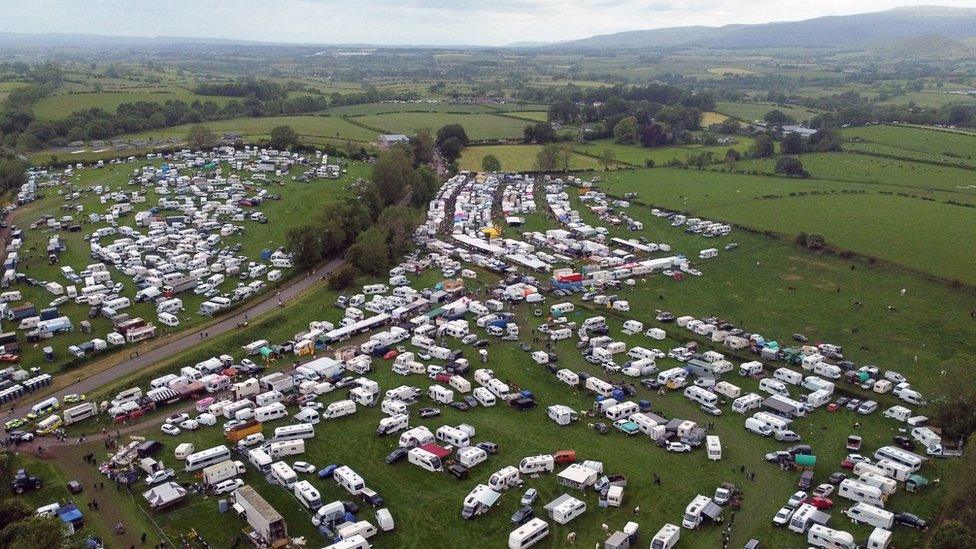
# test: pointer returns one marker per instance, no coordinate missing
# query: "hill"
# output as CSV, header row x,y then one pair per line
x,y
845,31
931,46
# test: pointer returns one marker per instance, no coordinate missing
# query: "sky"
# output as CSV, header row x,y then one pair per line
x,y
413,22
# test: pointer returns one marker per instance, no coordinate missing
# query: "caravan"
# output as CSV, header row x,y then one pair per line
x,y
528,534
828,538
537,464
856,490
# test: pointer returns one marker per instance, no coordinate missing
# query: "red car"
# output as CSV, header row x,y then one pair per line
x,y
833,407
446,378
819,502
9,357
390,355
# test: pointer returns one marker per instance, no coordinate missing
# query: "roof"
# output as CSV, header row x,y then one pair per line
x,y
393,137
164,494
438,451
559,501
259,504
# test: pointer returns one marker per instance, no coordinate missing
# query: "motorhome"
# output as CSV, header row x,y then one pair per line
x,y
206,458
282,448
270,412
692,517
773,386
788,376
393,424
667,537
897,455
293,432
307,495
339,409
746,403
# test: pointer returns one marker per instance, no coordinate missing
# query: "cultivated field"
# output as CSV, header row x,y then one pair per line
x,y
479,127
519,158
635,155
61,105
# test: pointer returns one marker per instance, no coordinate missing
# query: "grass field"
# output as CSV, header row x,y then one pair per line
x,y
636,155
748,283
58,106
518,158
913,142
751,112
871,169
479,127
325,127
386,108
298,204
729,71
931,99
881,225
710,118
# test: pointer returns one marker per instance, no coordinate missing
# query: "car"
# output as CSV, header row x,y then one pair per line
x,y
19,437
470,401
489,447
852,404
806,479
679,447
460,405
601,428
429,412
350,507
228,486
731,245
523,515
823,490
190,425
833,407
665,316
777,456
912,521
529,497
904,443
842,401
158,476
651,383
867,407
9,357
458,471
14,423
73,397
711,409
371,497
800,449
786,436
170,429
397,455
328,470
782,517
853,459
796,499
248,364
303,467
230,425
176,418
819,502
722,495
317,406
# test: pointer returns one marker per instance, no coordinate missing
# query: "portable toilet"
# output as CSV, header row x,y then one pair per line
x,y
86,327
645,405
49,354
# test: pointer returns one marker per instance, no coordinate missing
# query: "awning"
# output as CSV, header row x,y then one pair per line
x,y
712,510
488,497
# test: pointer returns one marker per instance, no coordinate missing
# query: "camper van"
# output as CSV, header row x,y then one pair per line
x,y
393,424
307,494
348,479
339,409
282,448
773,387
667,537
528,534
746,403
758,427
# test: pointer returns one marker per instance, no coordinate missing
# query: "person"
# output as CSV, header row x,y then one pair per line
x,y
144,536
636,510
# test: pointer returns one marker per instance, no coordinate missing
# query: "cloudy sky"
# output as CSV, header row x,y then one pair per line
x,y
431,22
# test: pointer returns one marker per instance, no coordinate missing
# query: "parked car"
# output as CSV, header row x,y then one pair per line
x,y
522,515
782,517
836,478
429,412
177,418
679,447
819,502
489,447
796,499
397,455
529,497
904,443
912,521
170,429
303,467
806,479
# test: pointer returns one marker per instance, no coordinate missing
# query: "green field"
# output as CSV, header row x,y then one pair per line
x,y
871,169
518,158
931,99
479,127
751,112
636,155
420,106
913,142
907,231
748,283
299,202
61,105
323,127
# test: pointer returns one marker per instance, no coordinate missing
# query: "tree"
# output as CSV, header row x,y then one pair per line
x,y
369,252
825,140
565,158
653,135
777,117
762,147
342,278
13,174
452,131
392,174
423,147
540,132
811,241
491,164
729,126
700,160
424,186
563,112
625,132
608,157
792,144
35,532
451,149
283,137
791,166
548,158
199,136
304,245
731,157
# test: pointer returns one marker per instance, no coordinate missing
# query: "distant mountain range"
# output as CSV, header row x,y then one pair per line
x,y
861,30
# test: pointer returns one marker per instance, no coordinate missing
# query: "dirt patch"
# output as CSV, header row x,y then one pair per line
x,y
791,277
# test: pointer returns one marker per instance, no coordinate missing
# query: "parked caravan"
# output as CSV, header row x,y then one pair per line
x,y
805,516
713,446
887,485
259,459
79,412
748,369
773,387
621,410
701,396
471,456
283,474
897,455
774,422
393,424
270,412
894,469
484,396
788,376
568,377
504,478
565,508
828,538
528,534
727,390
746,403
349,479
856,490
537,464
561,414
863,513
453,436
206,458
667,537
307,495
425,459
282,448
440,394
293,432
417,436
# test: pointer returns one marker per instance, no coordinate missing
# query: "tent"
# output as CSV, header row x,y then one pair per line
x,y
916,483
805,460
164,495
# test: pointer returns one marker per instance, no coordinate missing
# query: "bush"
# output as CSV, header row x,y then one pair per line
x,y
342,278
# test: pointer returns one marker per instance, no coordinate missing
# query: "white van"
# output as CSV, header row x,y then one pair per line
x,y
758,427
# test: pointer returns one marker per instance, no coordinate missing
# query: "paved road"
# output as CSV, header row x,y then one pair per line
x,y
190,339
